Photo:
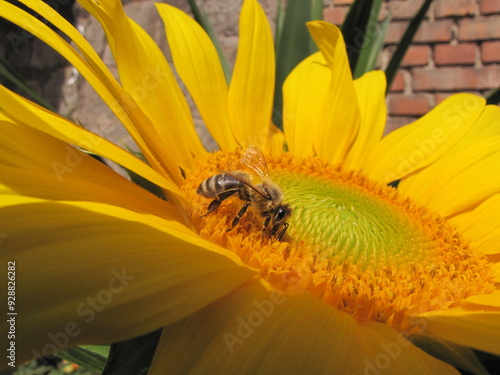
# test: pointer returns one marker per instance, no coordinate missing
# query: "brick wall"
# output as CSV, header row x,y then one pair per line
x,y
457,49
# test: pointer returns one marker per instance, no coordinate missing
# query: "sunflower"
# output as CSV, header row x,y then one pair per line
x,y
390,260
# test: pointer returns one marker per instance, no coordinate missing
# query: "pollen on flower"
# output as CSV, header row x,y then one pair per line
x,y
353,243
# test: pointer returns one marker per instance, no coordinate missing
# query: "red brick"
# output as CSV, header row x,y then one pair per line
x,y
404,105
490,52
437,31
404,9
460,54
479,29
440,96
384,12
456,79
335,15
383,58
395,32
342,2
446,8
416,56
396,122
398,84
490,6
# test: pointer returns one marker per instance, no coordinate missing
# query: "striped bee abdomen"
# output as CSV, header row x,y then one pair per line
x,y
215,185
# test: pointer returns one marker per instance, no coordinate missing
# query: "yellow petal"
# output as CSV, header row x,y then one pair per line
x,y
456,355
485,126
197,63
478,330
251,91
36,165
255,330
480,136
103,11
419,144
370,91
277,143
63,172
394,355
333,138
113,190
481,225
96,273
483,301
25,112
95,72
146,75
305,92
469,180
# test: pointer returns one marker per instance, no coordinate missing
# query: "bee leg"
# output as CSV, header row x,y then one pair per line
x,y
285,227
266,222
238,216
218,200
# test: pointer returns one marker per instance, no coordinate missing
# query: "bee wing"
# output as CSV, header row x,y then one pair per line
x,y
246,183
254,159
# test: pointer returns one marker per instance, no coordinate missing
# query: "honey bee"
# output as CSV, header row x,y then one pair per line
x,y
265,196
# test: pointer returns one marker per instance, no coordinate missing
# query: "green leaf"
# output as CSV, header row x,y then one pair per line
x,y
92,357
373,42
201,17
132,357
493,97
92,154
293,44
8,71
147,185
141,181
354,29
280,20
405,43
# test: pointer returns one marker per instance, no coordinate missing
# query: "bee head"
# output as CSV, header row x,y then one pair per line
x,y
281,214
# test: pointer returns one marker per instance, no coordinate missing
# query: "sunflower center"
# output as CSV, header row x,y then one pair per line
x,y
344,217
353,243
